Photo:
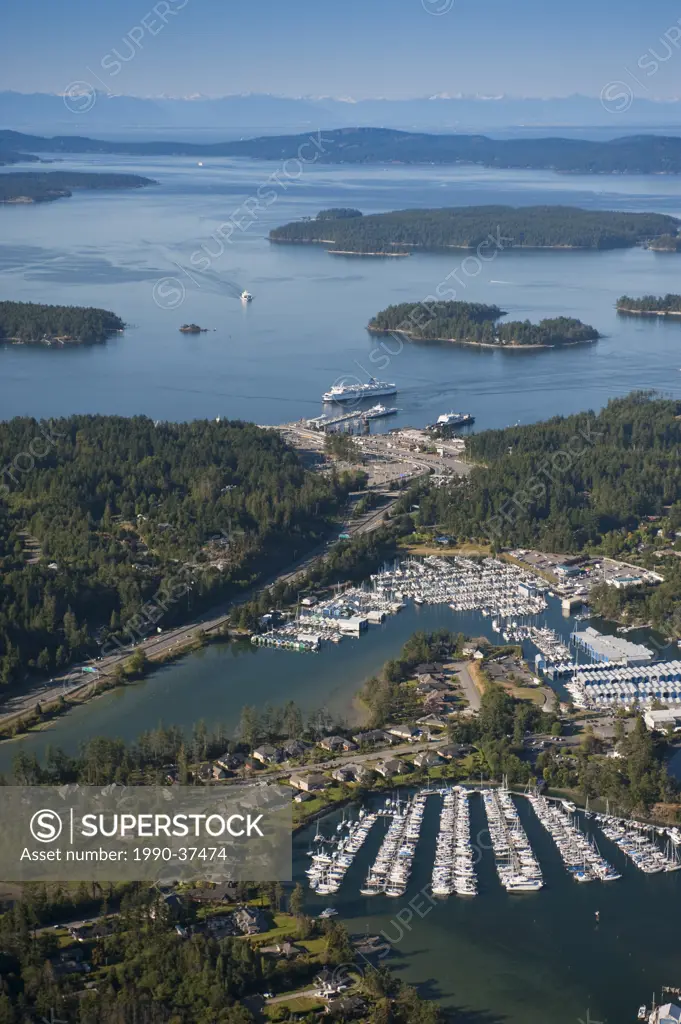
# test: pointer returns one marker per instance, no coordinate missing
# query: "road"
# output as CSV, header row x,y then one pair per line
x,y
469,688
159,646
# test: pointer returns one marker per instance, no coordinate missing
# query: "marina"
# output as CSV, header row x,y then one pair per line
x,y
455,854
579,854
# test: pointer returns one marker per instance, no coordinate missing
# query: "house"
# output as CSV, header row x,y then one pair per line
x,y
230,762
301,797
218,772
434,701
332,743
250,921
346,1008
308,783
349,746
352,773
267,754
373,737
430,682
225,892
451,750
391,767
426,759
221,925
294,748
426,667
433,722
205,771
404,732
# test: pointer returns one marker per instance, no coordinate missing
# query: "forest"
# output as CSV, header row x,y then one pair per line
x,y
475,323
32,323
44,186
487,228
658,305
633,154
109,526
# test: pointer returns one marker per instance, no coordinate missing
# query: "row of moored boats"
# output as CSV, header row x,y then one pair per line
x,y
580,854
453,870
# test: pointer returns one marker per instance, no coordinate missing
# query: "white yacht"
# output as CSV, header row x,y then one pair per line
x,y
246,297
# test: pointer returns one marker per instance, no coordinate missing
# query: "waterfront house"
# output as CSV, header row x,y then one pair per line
x,y
391,767
230,762
294,748
301,797
346,773
449,751
332,743
267,754
404,732
310,782
250,920
426,759
373,737
346,1008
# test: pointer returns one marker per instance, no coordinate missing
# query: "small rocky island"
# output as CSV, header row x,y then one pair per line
x,y
650,305
473,323
193,329
29,323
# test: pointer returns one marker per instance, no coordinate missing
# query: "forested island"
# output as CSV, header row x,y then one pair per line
x,y
650,305
488,228
473,323
44,186
29,323
101,516
634,154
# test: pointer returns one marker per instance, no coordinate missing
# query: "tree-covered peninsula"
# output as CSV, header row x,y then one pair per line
x,y
489,227
473,323
650,305
110,526
44,186
29,323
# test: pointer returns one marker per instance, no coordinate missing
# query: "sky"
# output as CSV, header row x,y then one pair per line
x,y
355,48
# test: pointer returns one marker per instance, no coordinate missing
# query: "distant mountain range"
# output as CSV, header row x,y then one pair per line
x,y
90,111
636,154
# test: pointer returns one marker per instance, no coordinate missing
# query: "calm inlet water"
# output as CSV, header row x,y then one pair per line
x,y
271,361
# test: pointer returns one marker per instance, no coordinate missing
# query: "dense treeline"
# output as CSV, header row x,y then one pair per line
x,y
568,483
633,782
155,964
489,227
475,323
30,322
659,304
109,526
42,186
634,154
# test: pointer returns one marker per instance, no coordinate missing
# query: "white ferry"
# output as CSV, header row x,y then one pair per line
x,y
376,412
347,392
454,419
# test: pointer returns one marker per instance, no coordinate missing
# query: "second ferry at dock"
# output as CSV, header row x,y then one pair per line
x,y
347,392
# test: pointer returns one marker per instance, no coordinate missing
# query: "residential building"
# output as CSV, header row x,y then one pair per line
x,y
426,759
267,754
392,766
310,782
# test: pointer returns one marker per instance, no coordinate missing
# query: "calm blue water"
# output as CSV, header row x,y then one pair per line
x,y
270,361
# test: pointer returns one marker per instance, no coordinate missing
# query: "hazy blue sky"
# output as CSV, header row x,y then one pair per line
x,y
353,48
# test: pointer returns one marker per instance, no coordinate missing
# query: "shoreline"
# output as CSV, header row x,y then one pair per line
x,y
624,311
440,248
483,344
